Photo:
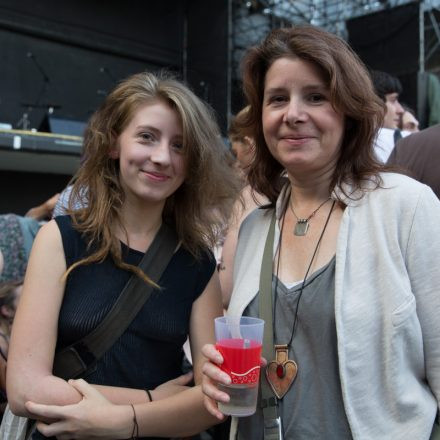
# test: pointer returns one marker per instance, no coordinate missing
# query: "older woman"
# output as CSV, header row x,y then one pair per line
x,y
355,284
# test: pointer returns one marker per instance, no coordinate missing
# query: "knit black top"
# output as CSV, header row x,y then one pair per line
x,y
150,350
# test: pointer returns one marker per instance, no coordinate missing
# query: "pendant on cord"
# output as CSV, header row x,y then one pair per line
x,y
301,227
281,372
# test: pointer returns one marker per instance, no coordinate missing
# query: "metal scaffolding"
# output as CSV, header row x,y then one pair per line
x,y
253,19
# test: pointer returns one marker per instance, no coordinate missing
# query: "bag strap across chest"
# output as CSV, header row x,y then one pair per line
x,y
77,358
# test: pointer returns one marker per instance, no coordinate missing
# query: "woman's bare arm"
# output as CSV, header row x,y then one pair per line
x,y
34,333
182,414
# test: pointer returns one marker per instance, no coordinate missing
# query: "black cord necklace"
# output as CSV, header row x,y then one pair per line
x,y
282,371
295,319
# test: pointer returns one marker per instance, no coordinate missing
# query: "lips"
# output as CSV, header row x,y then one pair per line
x,y
295,138
155,176
299,139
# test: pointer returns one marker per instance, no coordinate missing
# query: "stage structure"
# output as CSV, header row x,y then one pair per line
x,y
352,20
59,62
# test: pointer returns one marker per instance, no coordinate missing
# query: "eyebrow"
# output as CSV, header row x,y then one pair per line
x,y
146,127
155,129
310,87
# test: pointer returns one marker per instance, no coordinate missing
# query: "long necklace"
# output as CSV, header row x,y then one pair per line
x,y
302,224
282,371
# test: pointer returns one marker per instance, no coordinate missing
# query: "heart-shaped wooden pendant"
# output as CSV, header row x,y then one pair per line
x,y
281,372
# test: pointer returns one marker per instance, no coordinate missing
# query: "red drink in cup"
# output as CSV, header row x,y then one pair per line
x,y
239,341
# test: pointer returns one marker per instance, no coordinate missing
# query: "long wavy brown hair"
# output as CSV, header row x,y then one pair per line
x,y
351,93
198,209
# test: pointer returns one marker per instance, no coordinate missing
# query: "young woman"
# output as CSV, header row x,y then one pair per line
x,y
354,261
153,154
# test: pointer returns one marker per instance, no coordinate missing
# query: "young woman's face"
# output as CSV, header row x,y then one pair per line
x,y
301,128
150,152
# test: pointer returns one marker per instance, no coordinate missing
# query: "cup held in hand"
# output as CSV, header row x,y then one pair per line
x,y
239,340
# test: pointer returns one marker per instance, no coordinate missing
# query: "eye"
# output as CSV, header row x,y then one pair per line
x,y
146,136
316,98
178,146
277,99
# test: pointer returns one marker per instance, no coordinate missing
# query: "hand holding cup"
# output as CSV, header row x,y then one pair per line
x,y
239,341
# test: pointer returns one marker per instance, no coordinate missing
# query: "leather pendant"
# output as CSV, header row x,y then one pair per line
x,y
281,372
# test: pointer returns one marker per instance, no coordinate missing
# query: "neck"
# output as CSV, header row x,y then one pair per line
x,y
141,222
311,189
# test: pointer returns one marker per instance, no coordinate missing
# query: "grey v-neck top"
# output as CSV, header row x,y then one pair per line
x,y
313,406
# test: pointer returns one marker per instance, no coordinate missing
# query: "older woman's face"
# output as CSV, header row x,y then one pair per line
x,y
301,128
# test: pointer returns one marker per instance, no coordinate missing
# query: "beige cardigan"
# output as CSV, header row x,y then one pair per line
x,y
387,306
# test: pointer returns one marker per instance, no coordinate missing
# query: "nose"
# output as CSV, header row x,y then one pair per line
x,y
294,111
399,108
161,153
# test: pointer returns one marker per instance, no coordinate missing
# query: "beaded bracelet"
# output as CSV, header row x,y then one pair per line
x,y
149,395
135,432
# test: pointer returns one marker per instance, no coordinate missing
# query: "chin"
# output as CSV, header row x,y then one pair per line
x,y
296,161
151,197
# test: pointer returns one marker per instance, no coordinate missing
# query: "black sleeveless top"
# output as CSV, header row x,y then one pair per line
x,y
149,352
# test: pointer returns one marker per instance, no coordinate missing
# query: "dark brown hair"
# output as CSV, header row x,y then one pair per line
x,y
351,93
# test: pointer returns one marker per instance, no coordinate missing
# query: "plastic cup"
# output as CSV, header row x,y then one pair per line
x,y
239,340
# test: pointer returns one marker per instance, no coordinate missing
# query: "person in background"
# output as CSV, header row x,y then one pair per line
x,y
44,211
9,296
408,122
17,234
388,88
419,155
153,155
243,147
64,203
353,259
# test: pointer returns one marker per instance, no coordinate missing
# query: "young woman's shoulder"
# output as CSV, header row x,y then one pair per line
x,y
204,260
48,231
